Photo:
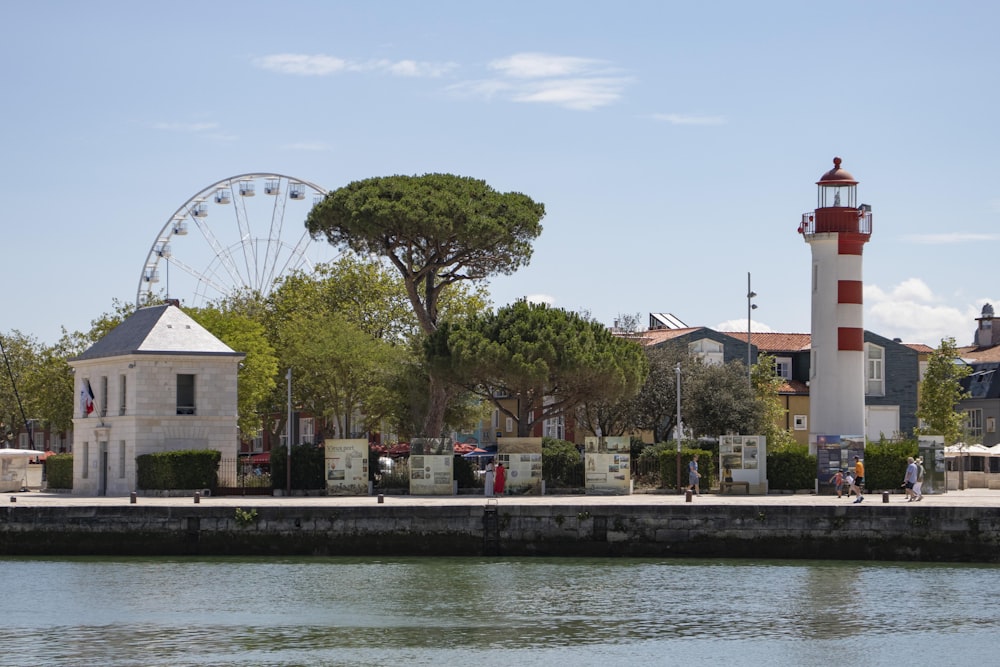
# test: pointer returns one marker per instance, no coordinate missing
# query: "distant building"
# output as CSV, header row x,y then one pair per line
x,y
157,382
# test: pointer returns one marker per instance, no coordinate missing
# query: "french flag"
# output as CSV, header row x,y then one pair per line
x,y
86,399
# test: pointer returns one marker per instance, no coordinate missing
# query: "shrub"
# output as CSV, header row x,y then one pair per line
x,y
885,463
307,467
59,471
562,465
791,468
668,466
182,469
465,474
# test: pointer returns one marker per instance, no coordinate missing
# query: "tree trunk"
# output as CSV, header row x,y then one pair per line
x,y
437,404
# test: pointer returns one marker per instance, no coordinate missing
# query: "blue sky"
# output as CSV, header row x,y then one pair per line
x,y
675,145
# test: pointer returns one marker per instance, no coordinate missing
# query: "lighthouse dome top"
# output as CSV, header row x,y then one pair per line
x,y
837,176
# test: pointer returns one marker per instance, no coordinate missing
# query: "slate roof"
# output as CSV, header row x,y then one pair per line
x,y
162,329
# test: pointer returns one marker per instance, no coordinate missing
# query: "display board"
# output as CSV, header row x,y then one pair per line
x,y
607,465
522,461
833,453
432,467
744,458
931,449
346,463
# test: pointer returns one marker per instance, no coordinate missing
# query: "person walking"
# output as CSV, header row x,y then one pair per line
x,y
859,479
910,479
488,477
694,477
838,482
918,487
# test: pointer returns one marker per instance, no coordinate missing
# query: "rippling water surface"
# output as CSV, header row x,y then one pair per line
x,y
452,611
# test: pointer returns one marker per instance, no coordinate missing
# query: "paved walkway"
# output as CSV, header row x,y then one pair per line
x,y
966,498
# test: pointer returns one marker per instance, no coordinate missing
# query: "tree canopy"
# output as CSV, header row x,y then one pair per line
x,y
940,392
549,359
436,230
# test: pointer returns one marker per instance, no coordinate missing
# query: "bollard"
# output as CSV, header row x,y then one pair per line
x,y
131,498
885,496
381,499
197,497
13,499
687,496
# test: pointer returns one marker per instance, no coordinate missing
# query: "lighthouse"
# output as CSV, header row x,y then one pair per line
x,y
836,232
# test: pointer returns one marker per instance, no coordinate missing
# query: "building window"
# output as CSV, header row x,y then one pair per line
x,y
85,463
801,422
510,424
974,423
874,377
185,394
103,398
555,428
307,432
709,351
121,459
121,395
783,367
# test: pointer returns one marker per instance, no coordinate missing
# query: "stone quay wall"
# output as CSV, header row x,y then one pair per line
x,y
873,532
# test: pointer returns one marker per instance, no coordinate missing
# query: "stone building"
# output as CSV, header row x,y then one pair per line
x,y
157,382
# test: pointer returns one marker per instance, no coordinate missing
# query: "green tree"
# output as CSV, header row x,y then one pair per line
x,y
436,230
766,385
259,369
655,406
941,391
717,400
549,359
17,404
340,370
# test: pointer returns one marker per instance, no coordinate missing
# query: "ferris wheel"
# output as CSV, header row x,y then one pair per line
x,y
246,232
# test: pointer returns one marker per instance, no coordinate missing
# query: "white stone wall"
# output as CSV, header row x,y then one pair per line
x,y
150,423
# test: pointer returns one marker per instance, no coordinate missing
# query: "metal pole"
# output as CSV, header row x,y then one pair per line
x,y
288,438
680,427
750,307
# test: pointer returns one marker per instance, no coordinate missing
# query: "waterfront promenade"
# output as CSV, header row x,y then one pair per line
x,y
969,498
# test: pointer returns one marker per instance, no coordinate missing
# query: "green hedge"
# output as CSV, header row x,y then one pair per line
x,y
791,468
59,471
885,463
668,467
307,467
562,465
182,469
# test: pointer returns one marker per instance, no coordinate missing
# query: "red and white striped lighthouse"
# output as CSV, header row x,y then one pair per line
x,y
837,232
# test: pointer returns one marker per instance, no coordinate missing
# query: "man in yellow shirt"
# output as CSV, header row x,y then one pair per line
x,y
859,479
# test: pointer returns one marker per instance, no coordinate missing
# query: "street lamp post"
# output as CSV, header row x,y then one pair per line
x,y
288,438
750,308
680,427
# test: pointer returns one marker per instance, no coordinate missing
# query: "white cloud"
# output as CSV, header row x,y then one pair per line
x,y
734,326
302,64
688,119
543,65
540,298
911,312
539,78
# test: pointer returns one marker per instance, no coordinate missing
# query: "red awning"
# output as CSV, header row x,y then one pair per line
x,y
264,457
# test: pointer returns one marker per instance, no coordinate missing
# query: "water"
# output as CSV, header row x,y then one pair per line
x,y
451,611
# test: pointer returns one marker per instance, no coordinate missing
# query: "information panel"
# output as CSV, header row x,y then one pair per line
x,y
522,462
432,468
607,465
833,453
743,459
346,466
